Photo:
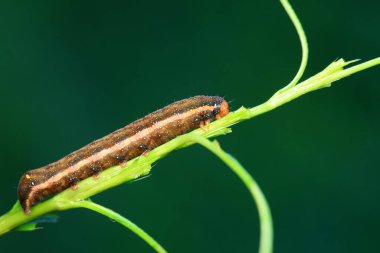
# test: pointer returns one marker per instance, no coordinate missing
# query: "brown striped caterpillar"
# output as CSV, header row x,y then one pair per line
x,y
120,146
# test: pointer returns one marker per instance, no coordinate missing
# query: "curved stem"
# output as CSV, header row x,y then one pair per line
x,y
120,219
266,227
302,36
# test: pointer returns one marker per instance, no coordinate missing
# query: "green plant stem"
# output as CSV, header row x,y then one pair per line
x,y
141,165
302,37
266,227
120,219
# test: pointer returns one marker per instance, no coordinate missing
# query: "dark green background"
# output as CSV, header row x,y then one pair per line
x,y
73,71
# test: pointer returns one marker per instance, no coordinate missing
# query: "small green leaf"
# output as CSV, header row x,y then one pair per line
x,y
28,227
31,226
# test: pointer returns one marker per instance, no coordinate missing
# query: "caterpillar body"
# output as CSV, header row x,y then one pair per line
x,y
118,147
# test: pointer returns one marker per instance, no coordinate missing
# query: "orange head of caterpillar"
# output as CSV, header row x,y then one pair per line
x,y
223,110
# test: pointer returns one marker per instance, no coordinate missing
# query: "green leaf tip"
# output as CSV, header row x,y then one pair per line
x,y
32,225
28,227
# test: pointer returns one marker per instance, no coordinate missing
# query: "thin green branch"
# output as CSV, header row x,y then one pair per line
x,y
355,69
120,219
302,37
266,227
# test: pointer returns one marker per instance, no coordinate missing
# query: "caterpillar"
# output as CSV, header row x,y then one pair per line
x,y
117,148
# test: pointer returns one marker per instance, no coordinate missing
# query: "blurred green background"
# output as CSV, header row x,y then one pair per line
x,y
73,71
